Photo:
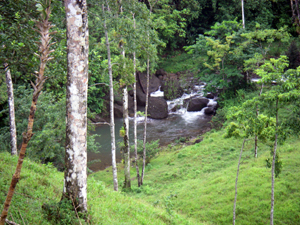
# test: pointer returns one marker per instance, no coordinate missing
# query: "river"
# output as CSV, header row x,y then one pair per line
x,y
178,124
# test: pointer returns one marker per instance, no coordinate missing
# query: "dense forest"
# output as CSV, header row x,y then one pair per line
x,y
70,66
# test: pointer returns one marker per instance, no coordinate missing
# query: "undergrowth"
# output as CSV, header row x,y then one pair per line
x,y
180,62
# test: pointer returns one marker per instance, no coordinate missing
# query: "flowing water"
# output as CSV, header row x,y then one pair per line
x,y
178,124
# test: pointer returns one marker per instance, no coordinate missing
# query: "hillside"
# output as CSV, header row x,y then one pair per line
x,y
198,181
41,184
183,185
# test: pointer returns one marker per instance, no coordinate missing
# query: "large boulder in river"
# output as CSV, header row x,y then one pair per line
x,y
158,108
197,104
141,87
209,111
154,82
210,96
140,96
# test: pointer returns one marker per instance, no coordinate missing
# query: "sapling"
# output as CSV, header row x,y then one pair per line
x,y
44,27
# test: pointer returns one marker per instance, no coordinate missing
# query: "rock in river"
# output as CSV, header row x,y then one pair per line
x,y
197,103
158,108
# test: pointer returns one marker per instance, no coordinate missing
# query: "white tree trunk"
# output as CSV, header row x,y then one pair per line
x,y
236,181
112,119
243,15
145,122
135,123
75,181
11,105
127,183
273,168
135,111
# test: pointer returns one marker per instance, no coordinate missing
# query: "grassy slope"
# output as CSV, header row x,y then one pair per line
x,y
43,184
183,185
202,179
38,184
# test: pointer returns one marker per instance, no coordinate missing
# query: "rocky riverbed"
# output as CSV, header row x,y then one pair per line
x,y
177,110
173,86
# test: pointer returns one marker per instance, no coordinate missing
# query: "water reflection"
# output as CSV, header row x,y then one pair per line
x,y
167,130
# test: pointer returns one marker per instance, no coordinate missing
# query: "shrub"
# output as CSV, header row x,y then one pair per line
x,y
152,148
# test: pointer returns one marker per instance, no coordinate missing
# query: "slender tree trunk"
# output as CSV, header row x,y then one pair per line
x,y
297,10
236,181
127,183
255,145
147,101
135,111
273,167
243,15
257,113
75,179
293,10
145,122
296,19
11,105
135,125
43,28
112,119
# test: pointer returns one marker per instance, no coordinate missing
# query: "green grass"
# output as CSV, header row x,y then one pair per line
x,y
183,185
202,179
38,184
41,184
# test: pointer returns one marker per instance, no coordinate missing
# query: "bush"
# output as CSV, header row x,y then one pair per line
x,y
152,148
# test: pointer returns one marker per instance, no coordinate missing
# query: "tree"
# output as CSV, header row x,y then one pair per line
x,y
246,125
75,183
295,14
145,124
284,91
126,148
261,40
12,123
44,27
243,15
267,125
172,20
224,56
111,100
135,109
147,98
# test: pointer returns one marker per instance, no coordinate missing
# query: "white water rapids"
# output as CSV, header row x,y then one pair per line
x,y
179,123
